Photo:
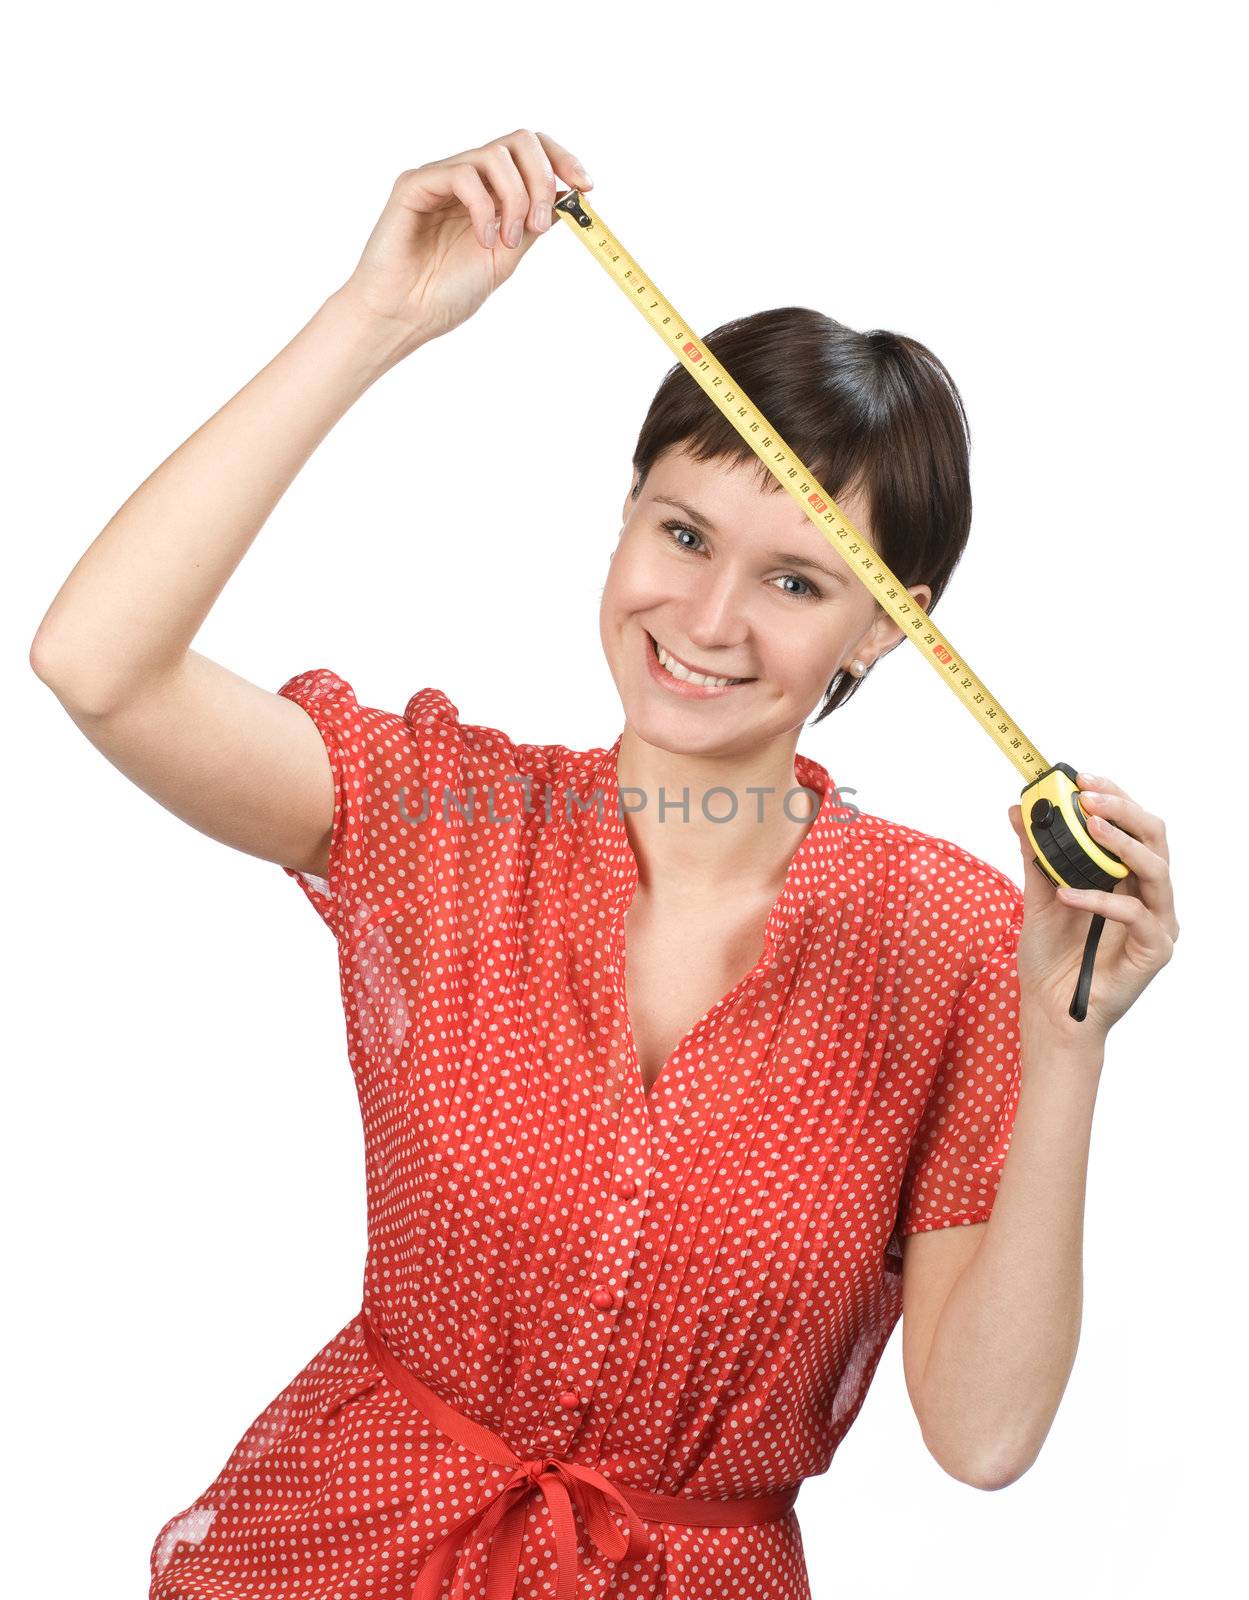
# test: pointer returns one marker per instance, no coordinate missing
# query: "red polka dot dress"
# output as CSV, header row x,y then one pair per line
x,y
604,1334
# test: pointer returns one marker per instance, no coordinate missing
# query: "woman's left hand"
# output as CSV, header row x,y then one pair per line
x,y
1140,932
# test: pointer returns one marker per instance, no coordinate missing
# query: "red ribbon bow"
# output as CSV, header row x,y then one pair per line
x,y
500,1524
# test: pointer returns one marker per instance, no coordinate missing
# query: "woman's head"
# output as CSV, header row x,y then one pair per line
x,y
878,420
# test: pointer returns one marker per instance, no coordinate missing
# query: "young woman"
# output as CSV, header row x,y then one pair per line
x,y
681,1079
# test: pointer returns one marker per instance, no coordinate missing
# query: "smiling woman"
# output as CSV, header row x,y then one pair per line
x,y
650,1094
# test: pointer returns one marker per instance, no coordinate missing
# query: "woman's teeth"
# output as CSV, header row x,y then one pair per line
x,y
686,676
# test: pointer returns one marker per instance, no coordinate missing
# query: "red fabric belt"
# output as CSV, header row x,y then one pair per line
x,y
499,1522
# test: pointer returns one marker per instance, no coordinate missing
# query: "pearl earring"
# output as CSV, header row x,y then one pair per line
x,y
858,668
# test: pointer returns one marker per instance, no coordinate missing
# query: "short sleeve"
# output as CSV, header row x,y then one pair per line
x,y
378,760
956,1159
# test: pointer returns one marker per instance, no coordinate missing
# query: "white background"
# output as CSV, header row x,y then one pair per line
x,y
1048,198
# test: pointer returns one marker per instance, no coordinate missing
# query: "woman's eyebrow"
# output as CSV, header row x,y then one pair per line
x,y
785,557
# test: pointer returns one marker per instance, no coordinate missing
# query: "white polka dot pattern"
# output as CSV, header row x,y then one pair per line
x,y
690,1290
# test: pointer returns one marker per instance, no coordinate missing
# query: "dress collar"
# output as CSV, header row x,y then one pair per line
x,y
810,876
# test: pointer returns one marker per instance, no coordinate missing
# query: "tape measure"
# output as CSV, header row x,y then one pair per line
x,y
1053,817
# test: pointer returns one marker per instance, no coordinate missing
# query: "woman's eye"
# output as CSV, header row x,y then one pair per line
x,y
679,527
808,592
812,593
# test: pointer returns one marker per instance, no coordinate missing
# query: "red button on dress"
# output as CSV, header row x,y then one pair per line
x,y
602,1298
857,1085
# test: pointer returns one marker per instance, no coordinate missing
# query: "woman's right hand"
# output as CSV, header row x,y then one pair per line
x,y
441,245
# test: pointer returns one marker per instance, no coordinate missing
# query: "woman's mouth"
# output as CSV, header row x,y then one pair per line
x,y
678,679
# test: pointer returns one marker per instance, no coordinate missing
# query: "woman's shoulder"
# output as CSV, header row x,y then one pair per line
x,y
428,734
544,775
939,872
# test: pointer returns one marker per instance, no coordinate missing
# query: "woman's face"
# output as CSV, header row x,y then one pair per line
x,y
753,591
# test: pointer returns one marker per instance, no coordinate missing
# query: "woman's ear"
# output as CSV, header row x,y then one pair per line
x,y
884,632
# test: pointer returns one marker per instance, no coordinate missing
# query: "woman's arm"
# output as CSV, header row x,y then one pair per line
x,y
988,1368
992,1361
239,763
127,613
235,761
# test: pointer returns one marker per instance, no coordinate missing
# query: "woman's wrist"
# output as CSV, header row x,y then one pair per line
x,y
1045,1038
376,343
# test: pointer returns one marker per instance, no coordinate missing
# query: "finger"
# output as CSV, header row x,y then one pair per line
x,y
538,175
1151,870
1089,780
565,163
1147,939
1125,813
1147,864
460,178
499,167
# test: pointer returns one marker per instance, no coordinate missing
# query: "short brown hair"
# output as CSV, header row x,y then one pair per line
x,y
875,412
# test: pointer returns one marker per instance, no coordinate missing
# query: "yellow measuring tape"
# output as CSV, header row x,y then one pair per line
x,y
1050,803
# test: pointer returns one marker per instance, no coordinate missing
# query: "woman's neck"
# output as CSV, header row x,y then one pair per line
x,y
670,802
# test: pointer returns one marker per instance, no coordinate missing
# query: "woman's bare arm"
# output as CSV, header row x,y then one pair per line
x,y
128,611
238,762
235,761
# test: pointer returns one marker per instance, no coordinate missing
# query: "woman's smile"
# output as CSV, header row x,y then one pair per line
x,y
683,686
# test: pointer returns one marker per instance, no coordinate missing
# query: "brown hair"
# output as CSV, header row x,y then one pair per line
x,y
874,411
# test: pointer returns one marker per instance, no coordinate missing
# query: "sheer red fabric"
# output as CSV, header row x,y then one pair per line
x,y
686,1292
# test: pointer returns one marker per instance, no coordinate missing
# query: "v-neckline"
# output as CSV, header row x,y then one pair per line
x,y
660,1110
650,1095
653,1099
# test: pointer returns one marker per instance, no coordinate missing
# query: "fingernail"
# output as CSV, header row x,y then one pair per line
x,y
584,175
542,216
492,231
514,233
